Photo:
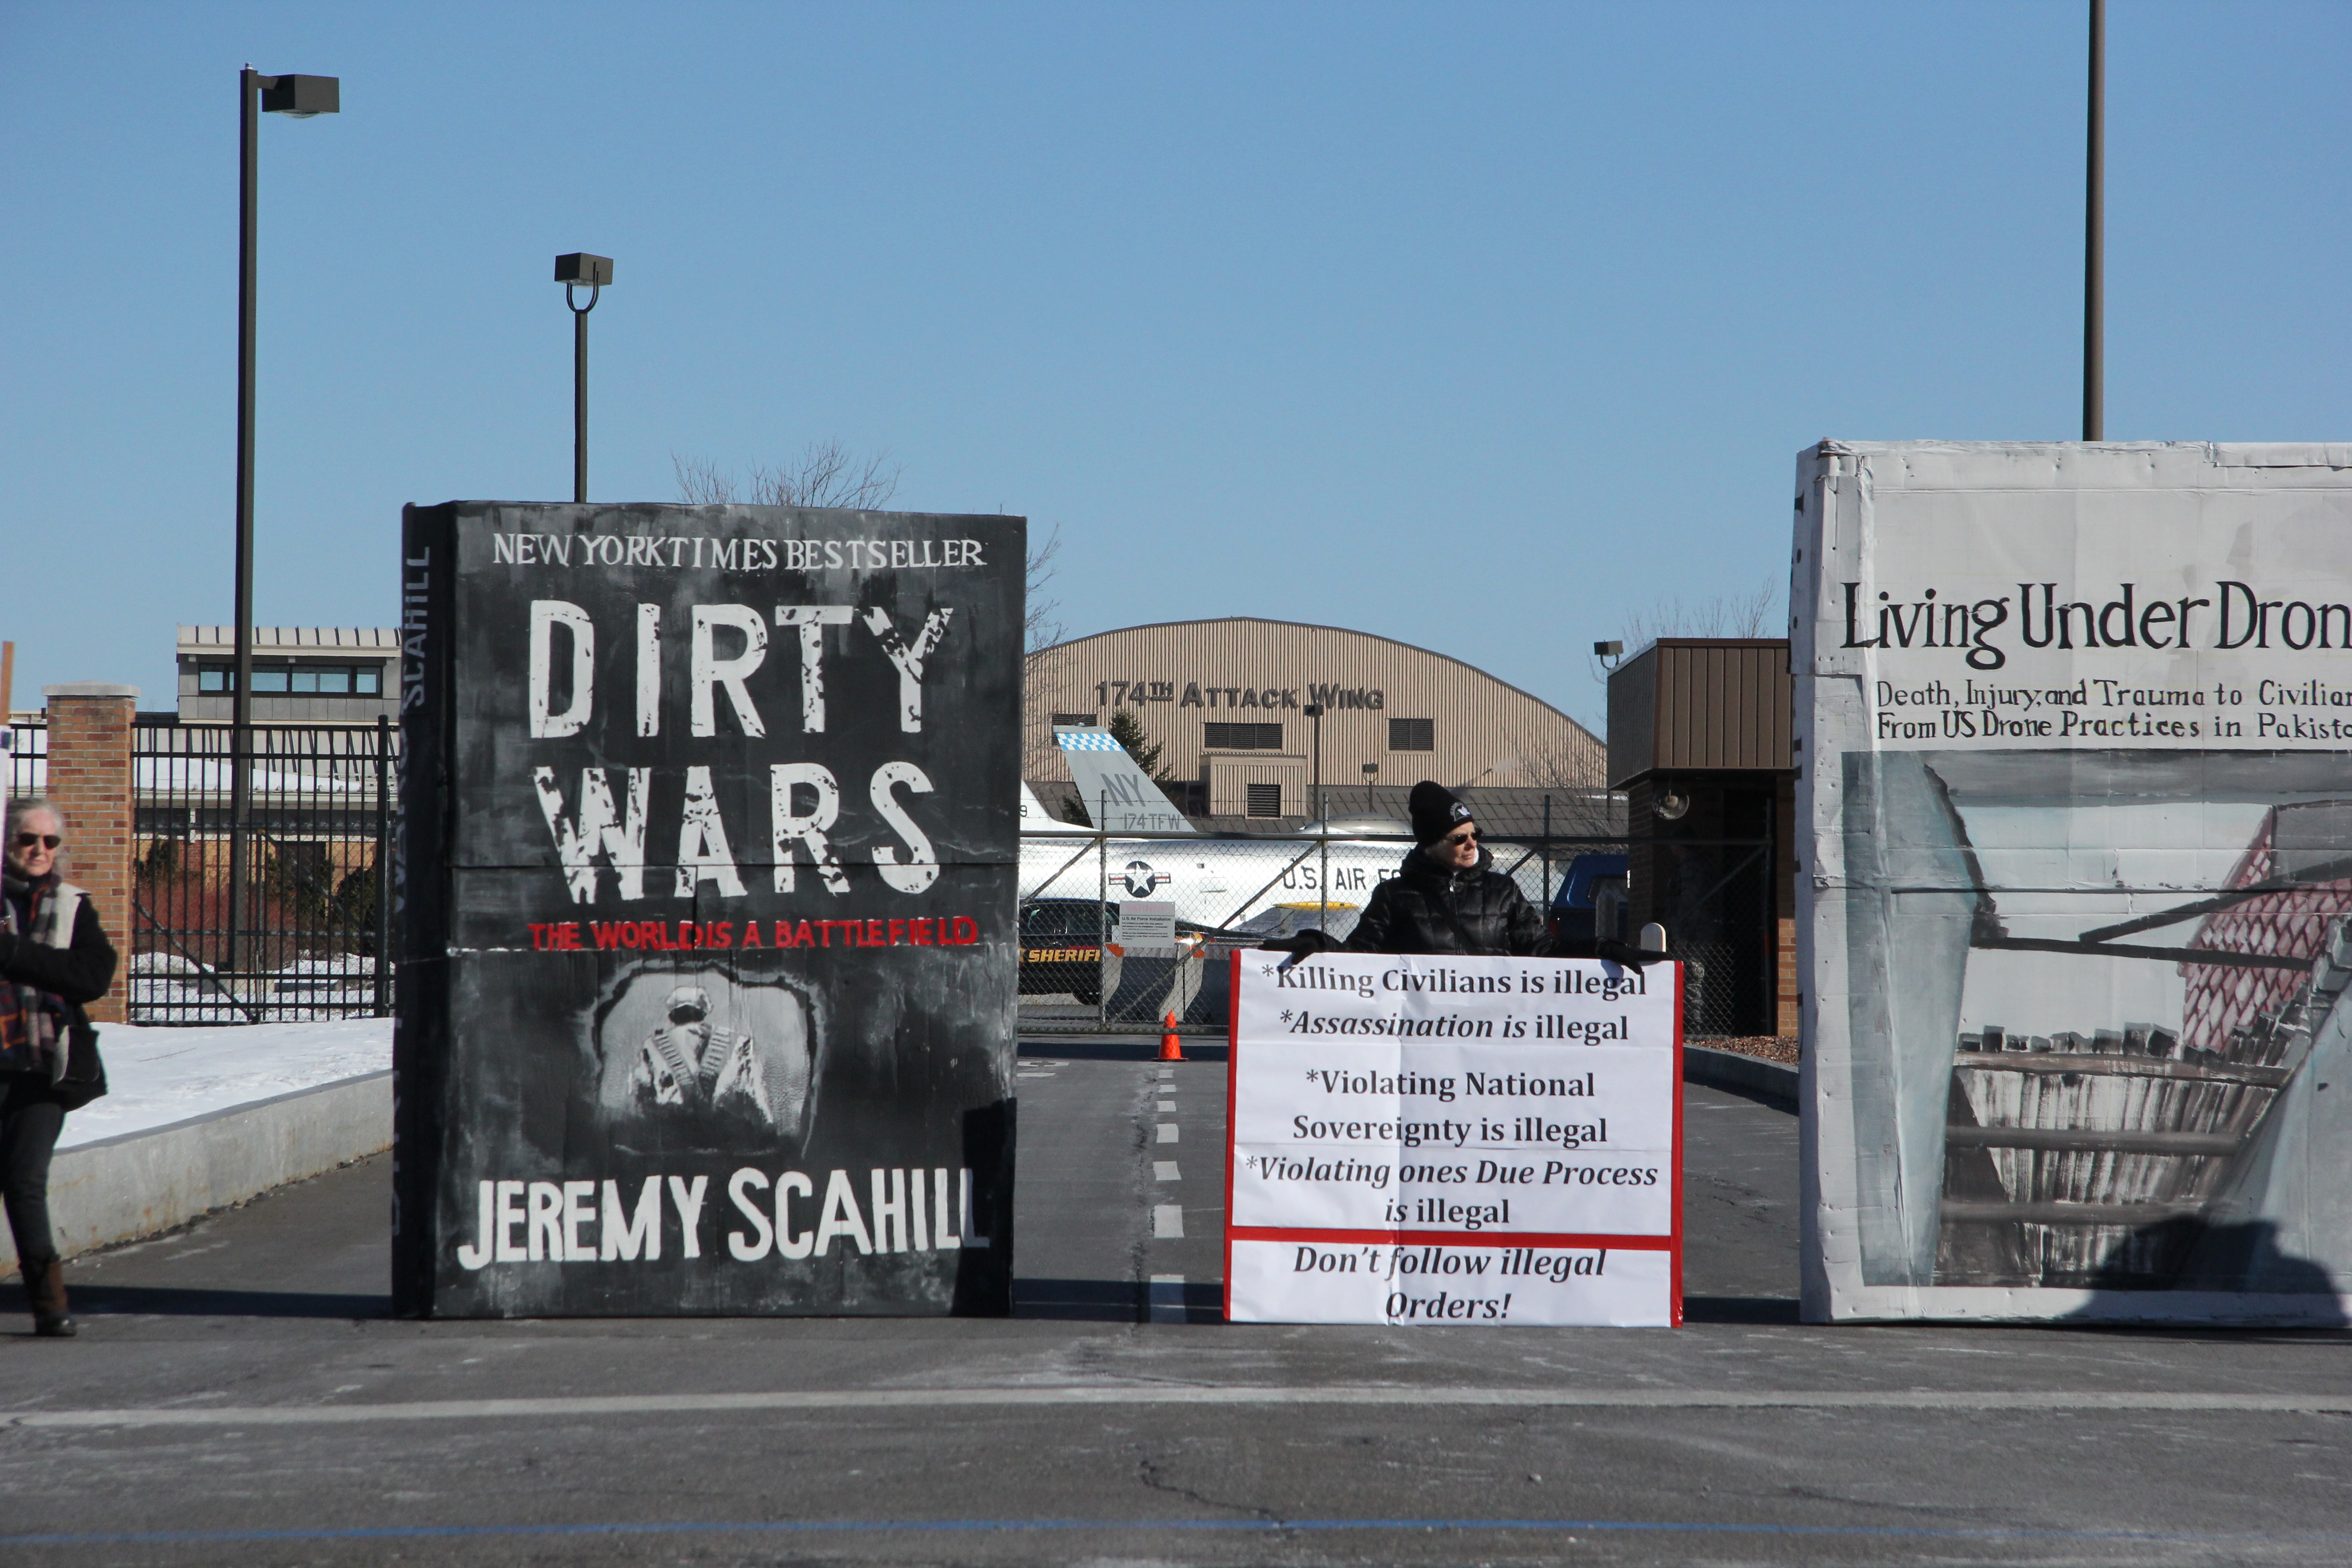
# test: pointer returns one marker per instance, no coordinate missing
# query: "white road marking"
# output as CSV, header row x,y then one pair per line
x,y
1167,1072
1168,1132
1167,1299
1165,1171
1167,1222
583,1405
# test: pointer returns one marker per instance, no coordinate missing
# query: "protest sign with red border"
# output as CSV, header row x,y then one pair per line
x,y
1450,1140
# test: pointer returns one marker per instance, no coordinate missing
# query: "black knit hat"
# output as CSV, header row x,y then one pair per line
x,y
1435,810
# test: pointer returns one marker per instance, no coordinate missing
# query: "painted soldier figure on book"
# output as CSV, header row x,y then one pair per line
x,y
694,1063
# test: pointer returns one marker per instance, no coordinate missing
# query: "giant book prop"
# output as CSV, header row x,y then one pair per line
x,y
2076,833
707,903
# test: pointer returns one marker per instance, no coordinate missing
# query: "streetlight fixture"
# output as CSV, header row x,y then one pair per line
x,y
1371,771
297,97
576,271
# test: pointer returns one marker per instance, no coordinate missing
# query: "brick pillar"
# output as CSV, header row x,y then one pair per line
x,y
89,785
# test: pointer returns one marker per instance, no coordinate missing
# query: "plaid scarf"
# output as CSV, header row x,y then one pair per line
x,y
32,1021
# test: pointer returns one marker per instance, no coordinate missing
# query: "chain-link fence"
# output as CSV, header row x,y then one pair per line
x,y
316,911
1714,897
1093,961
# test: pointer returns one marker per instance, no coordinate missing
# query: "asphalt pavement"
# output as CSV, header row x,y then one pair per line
x,y
240,1393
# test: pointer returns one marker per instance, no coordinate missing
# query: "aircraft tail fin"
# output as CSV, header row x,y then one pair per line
x,y
1119,795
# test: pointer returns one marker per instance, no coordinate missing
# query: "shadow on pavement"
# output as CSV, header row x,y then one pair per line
x,y
1740,1309
166,1301
1078,1300
1763,1097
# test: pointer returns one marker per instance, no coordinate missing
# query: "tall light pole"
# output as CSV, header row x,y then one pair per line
x,y
595,272
296,97
2095,237
1323,826
1315,711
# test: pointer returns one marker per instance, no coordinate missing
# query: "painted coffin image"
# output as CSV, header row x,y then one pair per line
x,y
707,900
2076,736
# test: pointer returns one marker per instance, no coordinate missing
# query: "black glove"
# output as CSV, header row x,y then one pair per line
x,y
1305,945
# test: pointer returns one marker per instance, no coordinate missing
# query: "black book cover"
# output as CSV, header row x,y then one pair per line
x,y
707,891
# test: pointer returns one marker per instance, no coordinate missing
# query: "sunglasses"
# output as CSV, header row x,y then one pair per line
x,y
1470,837
46,840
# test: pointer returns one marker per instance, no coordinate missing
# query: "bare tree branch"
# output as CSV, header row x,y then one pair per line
x,y
828,474
1566,759
1755,613
1039,628
700,482
825,474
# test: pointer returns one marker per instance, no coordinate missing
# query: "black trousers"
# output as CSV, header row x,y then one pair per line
x,y
31,1119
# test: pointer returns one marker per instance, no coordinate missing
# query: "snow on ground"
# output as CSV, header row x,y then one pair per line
x,y
158,1075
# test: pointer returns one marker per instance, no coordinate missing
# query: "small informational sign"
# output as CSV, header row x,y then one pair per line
x,y
1447,1140
1146,930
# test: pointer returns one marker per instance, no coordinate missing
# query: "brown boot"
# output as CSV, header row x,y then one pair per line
x,y
45,1282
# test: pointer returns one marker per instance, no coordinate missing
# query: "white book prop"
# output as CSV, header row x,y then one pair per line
x,y
2074,825
1448,1139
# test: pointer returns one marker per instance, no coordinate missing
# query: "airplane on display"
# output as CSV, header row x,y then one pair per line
x,y
1214,882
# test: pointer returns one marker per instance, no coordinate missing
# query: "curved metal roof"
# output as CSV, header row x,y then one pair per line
x,y
1315,626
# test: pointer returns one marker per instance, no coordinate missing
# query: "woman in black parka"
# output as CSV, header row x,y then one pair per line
x,y
1447,896
1445,899
54,959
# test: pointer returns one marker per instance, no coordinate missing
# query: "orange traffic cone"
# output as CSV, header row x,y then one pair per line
x,y
1170,1048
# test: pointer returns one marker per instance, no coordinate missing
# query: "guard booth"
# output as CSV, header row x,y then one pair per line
x,y
1699,741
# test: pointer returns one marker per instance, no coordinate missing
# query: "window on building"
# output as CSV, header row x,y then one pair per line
x,y
1074,720
1243,738
1264,800
1412,735
297,679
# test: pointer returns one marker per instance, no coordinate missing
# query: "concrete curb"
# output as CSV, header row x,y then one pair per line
x,y
120,1189
1732,1070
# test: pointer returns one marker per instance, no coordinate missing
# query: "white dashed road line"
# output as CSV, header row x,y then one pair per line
x,y
1165,1171
1168,1132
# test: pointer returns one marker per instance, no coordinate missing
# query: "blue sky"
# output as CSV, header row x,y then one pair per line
x,y
1481,326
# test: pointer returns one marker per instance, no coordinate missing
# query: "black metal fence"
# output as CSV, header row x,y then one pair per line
x,y
317,908
323,802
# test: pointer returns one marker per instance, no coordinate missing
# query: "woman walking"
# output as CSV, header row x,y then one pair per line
x,y
54,959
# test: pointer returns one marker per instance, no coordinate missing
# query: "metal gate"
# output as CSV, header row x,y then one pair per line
x,y
317,910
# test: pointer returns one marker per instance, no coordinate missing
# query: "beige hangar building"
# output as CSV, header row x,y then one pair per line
x,y
1226,700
